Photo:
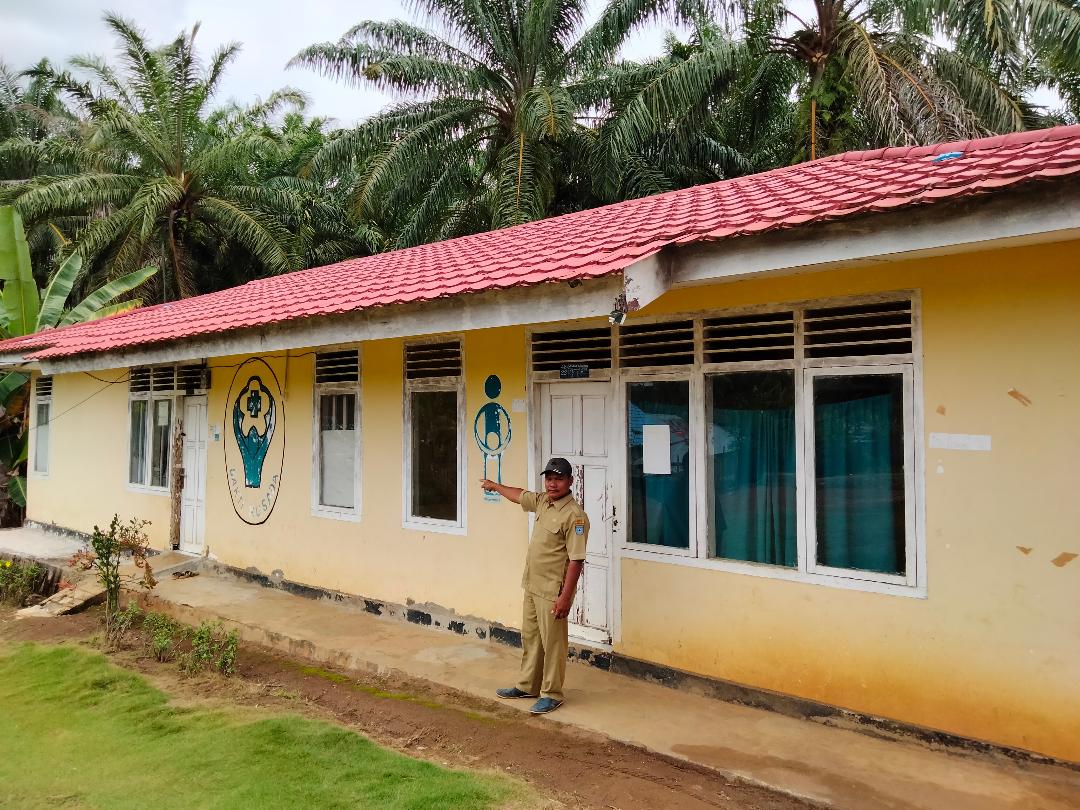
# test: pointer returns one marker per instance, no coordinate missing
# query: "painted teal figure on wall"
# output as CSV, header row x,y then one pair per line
x,y
492,429
254,418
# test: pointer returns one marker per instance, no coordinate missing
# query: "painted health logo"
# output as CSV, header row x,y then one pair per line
x,y
255,455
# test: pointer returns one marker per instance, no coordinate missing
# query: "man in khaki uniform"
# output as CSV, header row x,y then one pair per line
x,y
552,567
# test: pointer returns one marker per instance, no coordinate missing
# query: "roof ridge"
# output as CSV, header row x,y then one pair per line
x,y
970,145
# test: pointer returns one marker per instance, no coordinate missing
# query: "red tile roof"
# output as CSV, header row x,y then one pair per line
x,y
588,244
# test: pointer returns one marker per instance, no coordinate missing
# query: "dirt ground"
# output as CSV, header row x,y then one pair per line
x,y
571,768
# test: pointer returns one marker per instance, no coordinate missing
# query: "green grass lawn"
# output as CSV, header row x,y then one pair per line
x,y
77,732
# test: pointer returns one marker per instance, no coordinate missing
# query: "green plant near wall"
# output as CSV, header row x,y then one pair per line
x,y
105,553
24,310
17,581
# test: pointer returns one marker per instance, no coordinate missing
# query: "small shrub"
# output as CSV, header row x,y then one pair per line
x,y
211,648
161,636
17,581
124,621
104,554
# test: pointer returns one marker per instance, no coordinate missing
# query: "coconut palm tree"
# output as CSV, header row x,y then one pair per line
x,y
485,109
157,184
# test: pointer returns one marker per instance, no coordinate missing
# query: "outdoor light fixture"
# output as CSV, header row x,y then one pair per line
x,y
616,317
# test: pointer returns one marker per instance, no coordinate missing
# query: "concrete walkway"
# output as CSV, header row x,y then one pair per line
x,y
834,766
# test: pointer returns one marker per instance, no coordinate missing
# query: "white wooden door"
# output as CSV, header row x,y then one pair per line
x,y
577,424
193,499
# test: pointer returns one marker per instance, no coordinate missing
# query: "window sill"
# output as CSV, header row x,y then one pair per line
x,y
38,476
435,527
776,572
145,490
329,513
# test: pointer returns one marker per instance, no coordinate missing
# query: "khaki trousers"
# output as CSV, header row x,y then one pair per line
x,y
543,648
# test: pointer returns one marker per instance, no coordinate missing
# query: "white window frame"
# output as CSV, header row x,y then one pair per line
x,y
319,509
151,397
676,374
906,373
41,400
457,385
913,583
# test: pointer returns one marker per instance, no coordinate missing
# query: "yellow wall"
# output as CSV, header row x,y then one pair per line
x,y
992,653
88,464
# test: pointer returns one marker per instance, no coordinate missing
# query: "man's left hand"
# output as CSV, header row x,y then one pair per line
x,y
562,607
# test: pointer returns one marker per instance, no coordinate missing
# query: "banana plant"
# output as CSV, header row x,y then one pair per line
x,y
24,310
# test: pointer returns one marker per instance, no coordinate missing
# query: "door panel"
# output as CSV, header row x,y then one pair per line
x,y
576,424
193,499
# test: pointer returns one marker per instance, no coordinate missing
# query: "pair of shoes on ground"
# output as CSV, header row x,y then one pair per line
x,y
542,706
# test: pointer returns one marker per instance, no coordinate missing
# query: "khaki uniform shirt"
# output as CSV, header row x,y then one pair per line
x,y
559,535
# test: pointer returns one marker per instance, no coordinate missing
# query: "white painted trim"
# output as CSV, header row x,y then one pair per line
x,y
351,514
456,384
150,398
204,400
911,549
779,572
1037,213
31,468
354,514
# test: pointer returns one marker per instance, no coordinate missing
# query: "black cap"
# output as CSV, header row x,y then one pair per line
x,y
559,466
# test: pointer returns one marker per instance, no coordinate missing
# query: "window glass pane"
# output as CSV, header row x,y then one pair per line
x,y
434,437
659,462
137,446
160,439
859,472
41,438
337,450
753,467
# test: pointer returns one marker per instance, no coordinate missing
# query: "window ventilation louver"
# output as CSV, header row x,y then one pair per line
x,y
656,344
863,330
192,378
742,338
139,380
163,378
585,347
43,387
424,360
337,367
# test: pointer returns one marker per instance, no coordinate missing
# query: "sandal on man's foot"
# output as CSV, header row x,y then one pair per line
x,y
545,705
512,692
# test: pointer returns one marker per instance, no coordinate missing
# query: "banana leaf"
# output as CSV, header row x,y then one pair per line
x,y
54,299
106,293
11,382
17,489
20,296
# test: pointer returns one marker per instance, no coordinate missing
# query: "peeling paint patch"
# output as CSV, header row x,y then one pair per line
x,y
1064,558
941,409
481,633
418,617
1025,550
505,635
371,606
456,627
1023,400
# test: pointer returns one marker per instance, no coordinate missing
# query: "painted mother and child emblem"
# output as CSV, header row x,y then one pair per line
x,y
491,429
255,453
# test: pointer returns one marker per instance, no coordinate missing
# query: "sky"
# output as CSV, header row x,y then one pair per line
x,y
270,31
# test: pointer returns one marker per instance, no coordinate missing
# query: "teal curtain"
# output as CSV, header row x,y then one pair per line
x,y
754,482
858,456
659,504
753,437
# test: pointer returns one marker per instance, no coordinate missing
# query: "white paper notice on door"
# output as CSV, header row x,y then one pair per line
x,y
656,450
